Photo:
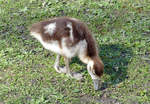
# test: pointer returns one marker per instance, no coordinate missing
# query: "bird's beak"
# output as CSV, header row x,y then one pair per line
x,y
96,83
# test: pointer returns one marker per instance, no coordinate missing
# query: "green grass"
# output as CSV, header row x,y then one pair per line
x,y
122,32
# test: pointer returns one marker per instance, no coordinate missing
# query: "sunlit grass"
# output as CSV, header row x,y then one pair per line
x,y
122,32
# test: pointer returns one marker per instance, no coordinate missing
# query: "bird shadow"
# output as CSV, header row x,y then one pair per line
x,y
116,58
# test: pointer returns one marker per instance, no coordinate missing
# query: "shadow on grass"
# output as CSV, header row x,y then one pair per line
x,y
116,58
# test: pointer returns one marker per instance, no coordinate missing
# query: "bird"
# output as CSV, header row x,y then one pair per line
x,y
69,37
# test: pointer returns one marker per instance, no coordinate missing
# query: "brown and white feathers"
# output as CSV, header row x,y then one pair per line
x,y
69,37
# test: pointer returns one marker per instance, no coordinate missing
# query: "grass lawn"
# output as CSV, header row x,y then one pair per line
x,y
122,32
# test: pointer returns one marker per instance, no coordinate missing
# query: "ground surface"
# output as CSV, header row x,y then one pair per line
x,y
122,31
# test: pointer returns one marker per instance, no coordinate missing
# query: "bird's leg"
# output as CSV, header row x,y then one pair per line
x,y
66,68
56,64
58,68
77,76
67,60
